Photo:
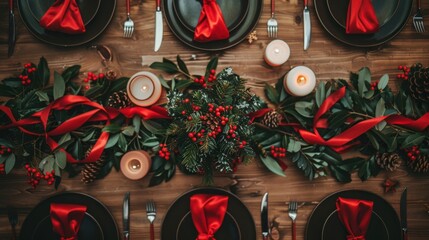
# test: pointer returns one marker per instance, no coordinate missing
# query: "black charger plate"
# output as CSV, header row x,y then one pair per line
x,y
98,223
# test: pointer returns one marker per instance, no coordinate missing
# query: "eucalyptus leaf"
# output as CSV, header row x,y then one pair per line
x,y
128,131
320,94
122,143
293,146
59,86
64,138
113,139
137,123
384,80
369,94
272,165
89,136
380,109
9,163
364,75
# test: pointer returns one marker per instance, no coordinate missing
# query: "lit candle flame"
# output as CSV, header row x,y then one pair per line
x,y
301,80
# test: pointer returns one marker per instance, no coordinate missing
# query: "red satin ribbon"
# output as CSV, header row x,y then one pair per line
x,y
66,219
211,25
355,214
99,113
208,212
63,16
361,18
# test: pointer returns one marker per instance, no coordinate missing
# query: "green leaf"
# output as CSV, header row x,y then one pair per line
x,y
384,80
182,65
43,96
271,93
77,150
59,86
272,165
12,82
9,163
112,128
128,131
380,109
369,94
163,82
122,143
151,142
304,108
137,123
112,141
320,94
293,146
70,73
88,136
338,119
7,91
211,65
363,76
5,143
373,140
60,159
413,140
340,174
166,66
47,164
43,71
64,138
152,126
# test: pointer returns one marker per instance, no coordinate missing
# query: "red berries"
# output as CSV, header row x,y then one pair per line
x,y
5,150
412,153
373,85
163,151
35,176
406,70
277,152
202,81
2,170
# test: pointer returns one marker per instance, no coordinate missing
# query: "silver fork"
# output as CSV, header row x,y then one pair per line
x,y
272,24
128,24
418,19
293,209
151,214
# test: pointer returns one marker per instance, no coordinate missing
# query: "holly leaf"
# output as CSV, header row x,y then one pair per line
x,y
211,65
59,85
182,65
271,93
272,165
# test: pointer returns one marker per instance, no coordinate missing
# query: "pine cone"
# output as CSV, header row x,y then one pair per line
x,y
272,119
119,100
420,165
91,170
419,82
388,161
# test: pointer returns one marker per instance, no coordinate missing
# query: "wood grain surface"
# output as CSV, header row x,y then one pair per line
x,y
327,57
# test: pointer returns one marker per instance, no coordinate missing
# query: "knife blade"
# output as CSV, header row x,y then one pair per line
x,y
12,29
403,211
158,26
307,25
126,216
264,216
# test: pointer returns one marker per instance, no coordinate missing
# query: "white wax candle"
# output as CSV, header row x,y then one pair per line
x,y
276,53
135,164
300,81
144,89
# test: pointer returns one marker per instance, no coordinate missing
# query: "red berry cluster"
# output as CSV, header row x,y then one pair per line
x,y
201,80
406,71
35,176
5,150
2,171
163,151
92,77
28,68
412,152
194,136
278,152
373,85
235,164
232,132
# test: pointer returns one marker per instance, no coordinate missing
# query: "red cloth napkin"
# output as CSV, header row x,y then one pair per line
x,y
355,214
211,25
63,16
66,219
208,212
361,17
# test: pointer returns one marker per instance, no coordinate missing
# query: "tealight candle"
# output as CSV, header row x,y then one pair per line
x,y
144,89
300,81
276,53
135,164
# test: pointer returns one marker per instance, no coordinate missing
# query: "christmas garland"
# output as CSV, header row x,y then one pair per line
x,y
210,124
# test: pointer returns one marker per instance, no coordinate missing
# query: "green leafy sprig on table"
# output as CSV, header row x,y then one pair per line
x,y
363,100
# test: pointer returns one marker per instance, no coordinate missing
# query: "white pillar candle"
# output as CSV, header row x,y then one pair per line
x,y
135,164
300,81
276,53
144,89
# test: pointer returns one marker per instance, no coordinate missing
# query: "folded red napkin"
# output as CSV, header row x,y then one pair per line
x,y
211,25
208,212
355,214
66,219
63,16
361,17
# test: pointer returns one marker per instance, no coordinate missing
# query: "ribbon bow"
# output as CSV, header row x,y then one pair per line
x,y
361,17
355,214
208,212
63,16
211,25
66,219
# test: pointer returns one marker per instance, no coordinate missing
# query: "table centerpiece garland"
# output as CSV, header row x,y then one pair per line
x,y
210,124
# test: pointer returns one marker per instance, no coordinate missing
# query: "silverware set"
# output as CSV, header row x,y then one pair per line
x,y
418,18
150,212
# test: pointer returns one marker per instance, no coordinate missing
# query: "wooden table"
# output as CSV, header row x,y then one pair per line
x,y
326,56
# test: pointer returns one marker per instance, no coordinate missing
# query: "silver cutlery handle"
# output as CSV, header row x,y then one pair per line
x,y
272,8
126,236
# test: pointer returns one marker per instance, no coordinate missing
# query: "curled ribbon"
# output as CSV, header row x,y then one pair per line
x,y
98,113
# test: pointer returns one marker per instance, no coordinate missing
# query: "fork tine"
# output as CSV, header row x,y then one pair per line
x,y
422,26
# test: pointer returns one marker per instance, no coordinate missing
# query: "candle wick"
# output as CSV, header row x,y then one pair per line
x,y
277,51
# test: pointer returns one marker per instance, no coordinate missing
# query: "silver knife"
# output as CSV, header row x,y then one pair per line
x,y
158,26
307,25
264,217
12,30
403,210
126,216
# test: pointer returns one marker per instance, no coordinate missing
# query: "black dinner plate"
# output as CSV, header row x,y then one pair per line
x,y
391,21
240,22
88,9
324,224
98,223
238,223
30,11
